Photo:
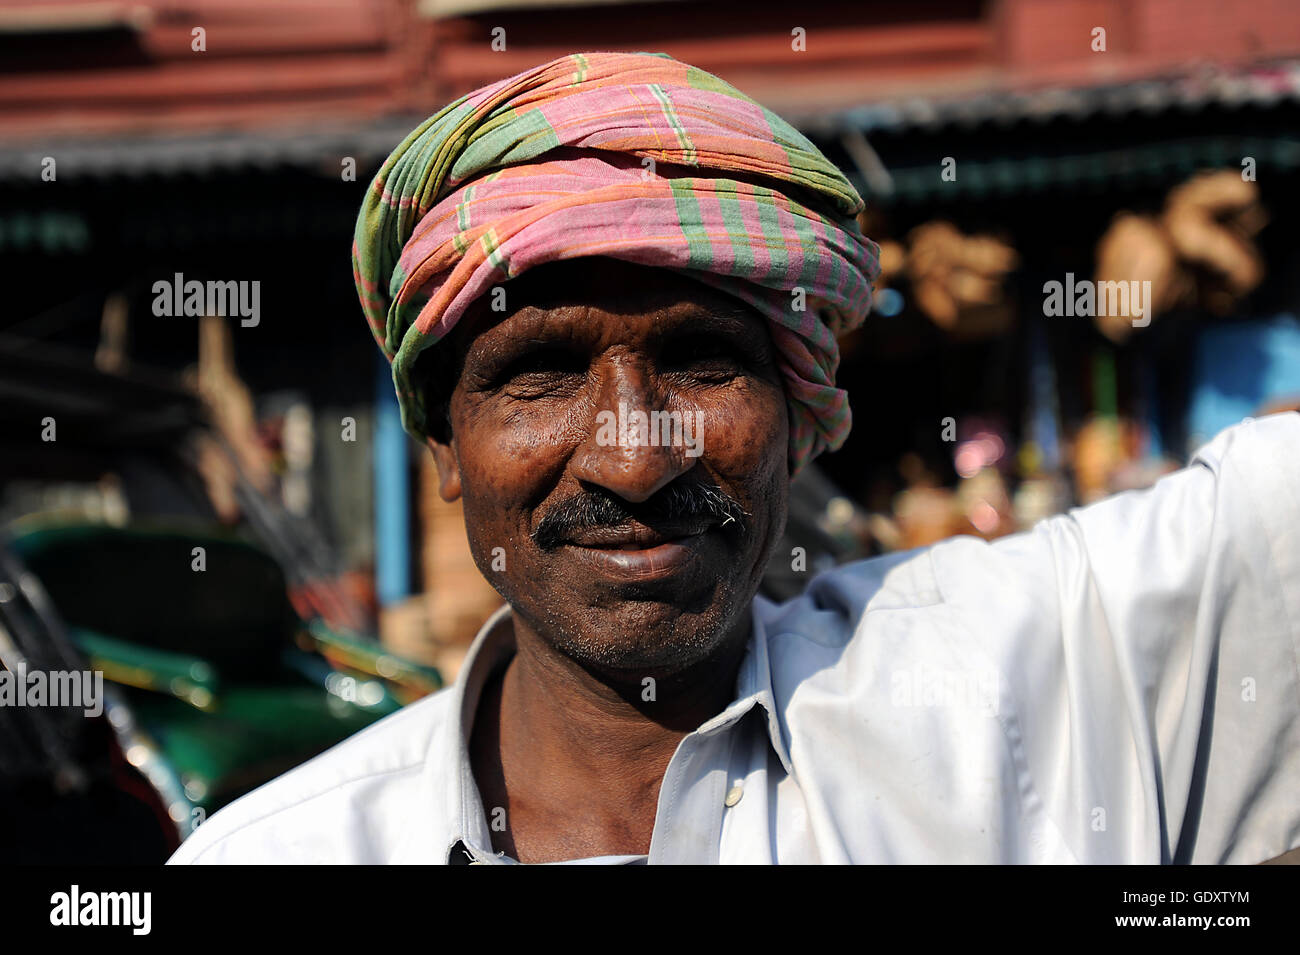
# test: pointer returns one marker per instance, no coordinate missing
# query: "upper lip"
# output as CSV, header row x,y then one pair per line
x,y
635,534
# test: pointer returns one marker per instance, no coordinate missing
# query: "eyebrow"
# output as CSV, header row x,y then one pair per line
x,y
736,316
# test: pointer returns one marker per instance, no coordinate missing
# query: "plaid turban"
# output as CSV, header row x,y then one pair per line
x,y
634,156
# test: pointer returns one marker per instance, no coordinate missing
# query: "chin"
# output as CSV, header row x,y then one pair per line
x,y
639,639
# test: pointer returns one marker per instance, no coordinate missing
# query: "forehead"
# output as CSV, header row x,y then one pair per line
x,y
604,298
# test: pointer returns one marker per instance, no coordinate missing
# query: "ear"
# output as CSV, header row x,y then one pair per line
x,y
444,458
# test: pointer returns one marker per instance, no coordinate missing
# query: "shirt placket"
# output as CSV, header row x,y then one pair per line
x,y
692,799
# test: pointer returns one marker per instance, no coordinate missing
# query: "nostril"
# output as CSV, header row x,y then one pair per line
x,y
633,472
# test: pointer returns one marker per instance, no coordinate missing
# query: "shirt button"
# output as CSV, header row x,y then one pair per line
x,y
733,796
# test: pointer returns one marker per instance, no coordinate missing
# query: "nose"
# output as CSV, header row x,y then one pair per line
x,y
618,452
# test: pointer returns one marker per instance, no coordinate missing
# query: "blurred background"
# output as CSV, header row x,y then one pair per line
x,y
225,517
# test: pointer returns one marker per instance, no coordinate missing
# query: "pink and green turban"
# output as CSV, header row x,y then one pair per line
x,y
633,156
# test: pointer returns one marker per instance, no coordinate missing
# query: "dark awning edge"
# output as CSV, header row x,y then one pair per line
x,y
1256,85
1153,162
207,153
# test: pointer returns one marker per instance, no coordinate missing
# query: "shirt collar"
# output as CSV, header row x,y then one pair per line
x,y
449,809
755,680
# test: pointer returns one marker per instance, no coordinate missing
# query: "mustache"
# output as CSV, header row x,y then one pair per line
x,y
598,508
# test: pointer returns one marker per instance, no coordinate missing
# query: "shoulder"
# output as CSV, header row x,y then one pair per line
x,y
347,805
847,622
1275,436
828,610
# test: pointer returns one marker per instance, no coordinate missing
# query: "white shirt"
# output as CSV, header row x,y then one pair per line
x,y
1118,685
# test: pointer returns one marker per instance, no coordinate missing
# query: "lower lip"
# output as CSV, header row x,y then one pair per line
x,y
649,563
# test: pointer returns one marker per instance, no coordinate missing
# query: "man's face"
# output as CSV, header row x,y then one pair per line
x,y
632,545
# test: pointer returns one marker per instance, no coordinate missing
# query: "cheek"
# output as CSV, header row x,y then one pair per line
x,y
746,437
507,461
747,451
508,444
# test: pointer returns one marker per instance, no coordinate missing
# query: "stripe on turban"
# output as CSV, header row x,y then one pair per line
x,y
634,156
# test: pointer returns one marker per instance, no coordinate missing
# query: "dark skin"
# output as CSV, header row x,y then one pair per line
x,y
567,737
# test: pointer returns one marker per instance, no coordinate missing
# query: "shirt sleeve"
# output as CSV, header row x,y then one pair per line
x,y
1149,646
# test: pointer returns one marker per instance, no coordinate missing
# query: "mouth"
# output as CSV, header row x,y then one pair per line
x,y
635,552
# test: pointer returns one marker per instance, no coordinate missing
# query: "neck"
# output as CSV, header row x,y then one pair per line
x,y
554,739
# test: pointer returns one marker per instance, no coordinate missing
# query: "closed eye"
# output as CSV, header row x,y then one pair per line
x,y
541,368
714,357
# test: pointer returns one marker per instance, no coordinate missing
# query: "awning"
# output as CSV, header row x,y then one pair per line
x,y
136,157
437,9
1152,163
1259,85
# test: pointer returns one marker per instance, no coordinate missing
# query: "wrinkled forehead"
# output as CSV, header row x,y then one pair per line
x,y
590,298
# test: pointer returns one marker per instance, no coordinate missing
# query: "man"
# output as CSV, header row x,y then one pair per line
x,y
610,288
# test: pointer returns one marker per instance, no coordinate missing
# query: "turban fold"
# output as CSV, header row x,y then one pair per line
x,y
633,156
